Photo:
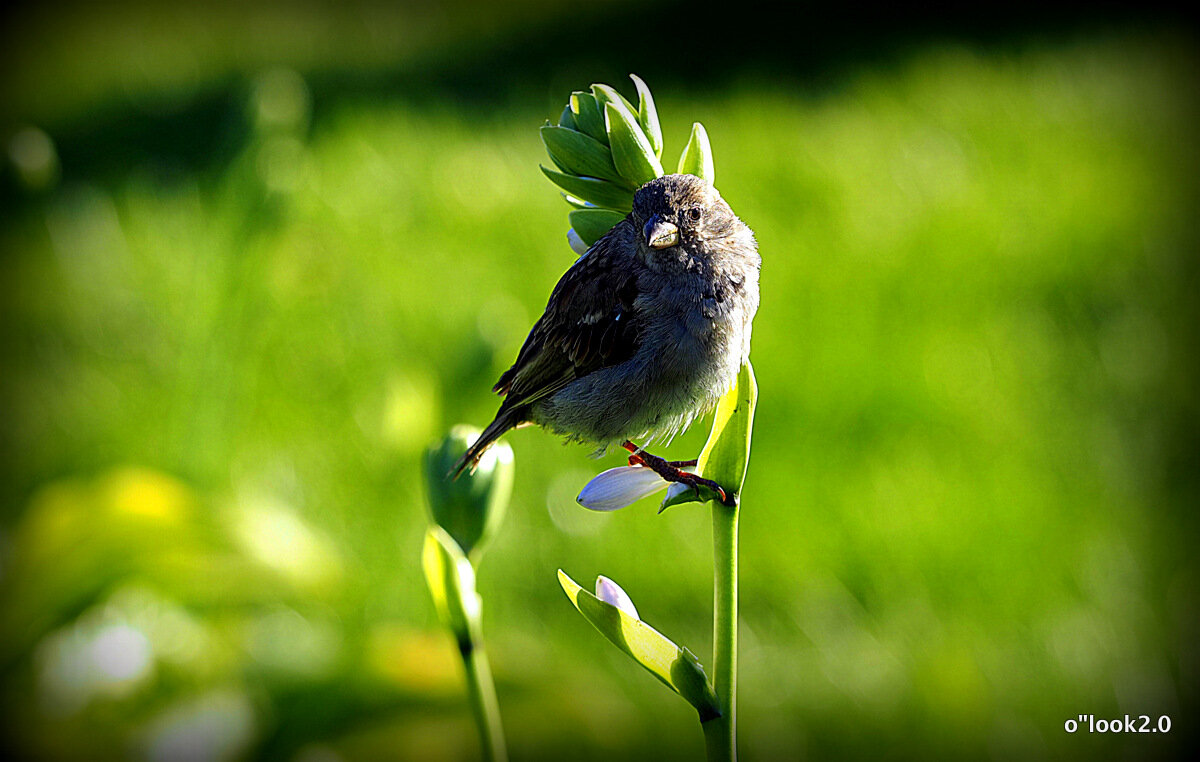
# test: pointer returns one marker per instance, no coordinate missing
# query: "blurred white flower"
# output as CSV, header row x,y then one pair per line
x,y
619,487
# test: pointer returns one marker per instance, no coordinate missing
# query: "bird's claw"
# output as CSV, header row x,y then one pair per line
x,y
672,471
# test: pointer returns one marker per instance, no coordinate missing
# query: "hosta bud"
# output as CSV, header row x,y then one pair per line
x,y
577,154
606,94
632,153
599,192
610,592
567,119
648,115
451,581
471,507
588,117
696,158
619,487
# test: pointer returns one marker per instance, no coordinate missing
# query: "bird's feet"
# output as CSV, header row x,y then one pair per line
x,y
672,471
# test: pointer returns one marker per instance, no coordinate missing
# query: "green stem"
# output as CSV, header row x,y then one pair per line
x,y
483,700
720,733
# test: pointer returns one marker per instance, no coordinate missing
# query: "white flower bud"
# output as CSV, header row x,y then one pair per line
x,y
610,592
619,487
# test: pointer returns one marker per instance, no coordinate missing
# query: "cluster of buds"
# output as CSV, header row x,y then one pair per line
x,y
605,149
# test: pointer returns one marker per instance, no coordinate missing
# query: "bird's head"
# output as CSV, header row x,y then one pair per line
x,y
681,211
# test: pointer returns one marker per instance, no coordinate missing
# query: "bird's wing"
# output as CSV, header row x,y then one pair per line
x,y
590,323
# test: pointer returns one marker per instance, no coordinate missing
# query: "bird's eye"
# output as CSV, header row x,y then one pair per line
x,y
694,214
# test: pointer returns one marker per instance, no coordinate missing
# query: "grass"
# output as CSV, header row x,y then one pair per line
x,y
968,513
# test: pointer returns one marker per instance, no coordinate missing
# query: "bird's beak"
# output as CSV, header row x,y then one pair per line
x,y
660,234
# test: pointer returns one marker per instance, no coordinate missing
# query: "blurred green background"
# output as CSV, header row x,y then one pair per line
x,y
255,258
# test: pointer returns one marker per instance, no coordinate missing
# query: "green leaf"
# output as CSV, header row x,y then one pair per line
x,y
631,150
567,119
591,224
676,667
701,493
578,154
588,116
599,192
451,581
727,450
696,158
648,115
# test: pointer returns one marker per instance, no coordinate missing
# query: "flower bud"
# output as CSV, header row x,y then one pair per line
x,y
632,153
471,507
606,94
610,592
578,154
648,115
451,580
696,158
619,487
599,192
588,117
568,119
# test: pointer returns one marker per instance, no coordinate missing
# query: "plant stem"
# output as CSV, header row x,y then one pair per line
x,y
483,700
720,733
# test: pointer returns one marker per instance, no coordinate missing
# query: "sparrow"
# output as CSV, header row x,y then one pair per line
x,y
643,334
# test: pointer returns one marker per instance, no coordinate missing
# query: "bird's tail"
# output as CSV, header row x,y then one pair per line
x,y
505,421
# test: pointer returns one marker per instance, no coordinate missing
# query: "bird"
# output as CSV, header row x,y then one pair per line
x,y
642,334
